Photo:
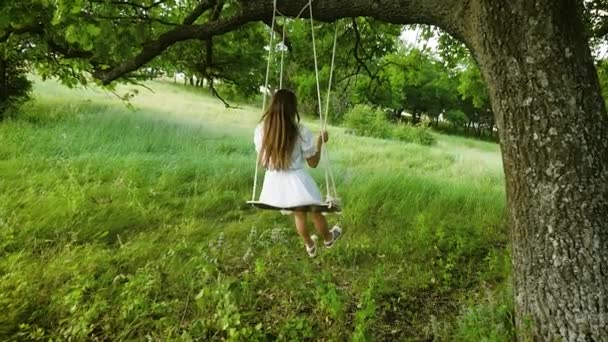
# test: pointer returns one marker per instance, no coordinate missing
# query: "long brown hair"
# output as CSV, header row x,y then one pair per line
x,y
281,129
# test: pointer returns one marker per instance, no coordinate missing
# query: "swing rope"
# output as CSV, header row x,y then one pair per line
x,y
328,169
322,122
329,178
270,48
283,47
330,184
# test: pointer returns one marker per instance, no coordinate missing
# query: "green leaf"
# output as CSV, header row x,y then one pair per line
x,y
72,34
58,13
87,44
76,7
93,30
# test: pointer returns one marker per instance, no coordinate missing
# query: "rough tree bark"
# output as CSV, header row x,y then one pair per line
x,y
554,137
553,132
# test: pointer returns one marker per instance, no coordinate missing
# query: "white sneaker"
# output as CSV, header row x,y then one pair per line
x,y
312,250
336,233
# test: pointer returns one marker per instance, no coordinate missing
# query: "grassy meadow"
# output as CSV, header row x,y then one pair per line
x,y
130,224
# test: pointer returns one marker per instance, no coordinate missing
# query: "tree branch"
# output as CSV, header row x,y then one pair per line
x,y
356,52
444,13
216,94
135,19
68,51
32,28
208,63
352,74
227,79
201,8
131,4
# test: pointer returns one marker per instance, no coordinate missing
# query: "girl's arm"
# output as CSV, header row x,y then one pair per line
x,y
314,160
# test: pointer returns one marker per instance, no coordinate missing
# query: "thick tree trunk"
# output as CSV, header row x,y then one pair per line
x,y
3,83
554,137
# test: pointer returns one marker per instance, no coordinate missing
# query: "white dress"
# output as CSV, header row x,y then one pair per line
x,y
287,189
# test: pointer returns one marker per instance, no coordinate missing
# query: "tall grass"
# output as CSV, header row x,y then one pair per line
x,y
119,224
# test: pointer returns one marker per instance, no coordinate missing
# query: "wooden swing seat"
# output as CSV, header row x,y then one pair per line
x,y
327,207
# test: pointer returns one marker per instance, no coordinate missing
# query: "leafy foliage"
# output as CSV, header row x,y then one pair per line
x,y
423,83
140,39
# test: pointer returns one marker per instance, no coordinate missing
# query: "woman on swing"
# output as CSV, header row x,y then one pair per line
x,y
283,145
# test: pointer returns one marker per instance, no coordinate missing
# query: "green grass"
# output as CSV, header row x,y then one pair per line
x,y
120,224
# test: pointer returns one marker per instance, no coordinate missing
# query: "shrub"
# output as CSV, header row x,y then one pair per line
x,y
414,134
372,122
368,121
381,127
405,133
358,119
424,136
456,117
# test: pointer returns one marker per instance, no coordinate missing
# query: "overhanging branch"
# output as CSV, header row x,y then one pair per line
x,y
32,28
442,13
131,4
201,8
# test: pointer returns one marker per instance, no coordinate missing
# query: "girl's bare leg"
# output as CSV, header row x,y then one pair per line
x,y
321,226
300,218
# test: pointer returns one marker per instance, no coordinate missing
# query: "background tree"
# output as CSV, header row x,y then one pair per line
x,y
361,45
475,99
14,85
